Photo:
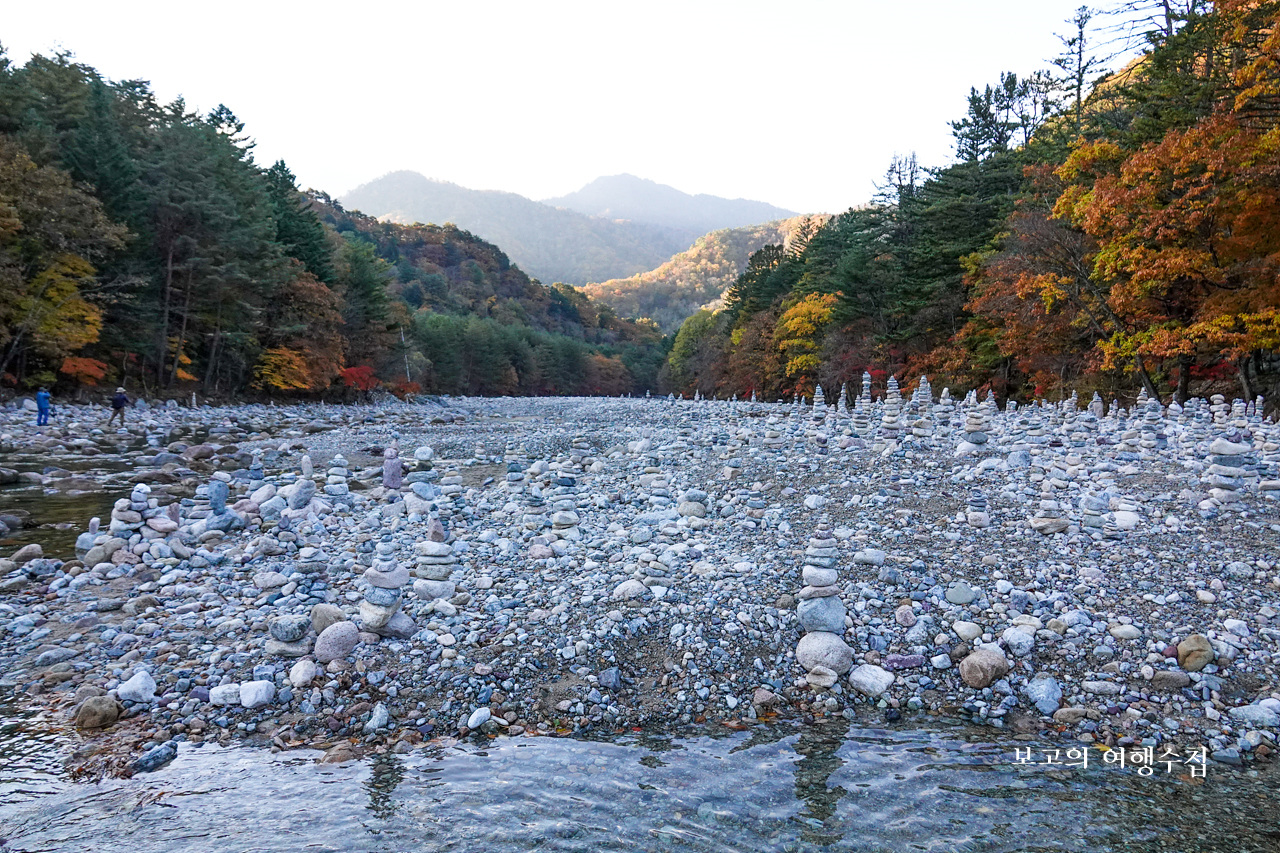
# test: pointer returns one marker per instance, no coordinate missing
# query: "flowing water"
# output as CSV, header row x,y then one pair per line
x,y
837,787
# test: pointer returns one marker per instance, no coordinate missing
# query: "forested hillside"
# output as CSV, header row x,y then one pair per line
x,y
1104,234
698,276
550,244
141,244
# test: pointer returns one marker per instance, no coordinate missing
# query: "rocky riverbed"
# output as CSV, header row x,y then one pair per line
x,y
367,578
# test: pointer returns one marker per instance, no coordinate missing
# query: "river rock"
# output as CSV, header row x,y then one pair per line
x,y
255,694
871,680
140,687
983,666
324,615
822,648
337,641
97,712
1195,653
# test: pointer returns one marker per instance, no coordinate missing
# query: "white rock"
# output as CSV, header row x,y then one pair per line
x,y
140,687
255,694
870,680
224,694
303,673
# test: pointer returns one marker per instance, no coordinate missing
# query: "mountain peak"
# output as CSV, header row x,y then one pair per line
x,y
637,199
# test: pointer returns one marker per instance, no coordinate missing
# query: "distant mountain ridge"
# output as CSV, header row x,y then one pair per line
x,y
564,243
697,277
640,200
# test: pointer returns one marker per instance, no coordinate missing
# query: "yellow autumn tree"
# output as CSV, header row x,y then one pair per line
x,y
282,369
799,335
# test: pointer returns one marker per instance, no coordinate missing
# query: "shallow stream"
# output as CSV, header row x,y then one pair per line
x,y
837,787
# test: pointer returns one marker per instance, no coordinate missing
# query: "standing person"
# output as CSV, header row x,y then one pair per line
x,y
43,401
119,403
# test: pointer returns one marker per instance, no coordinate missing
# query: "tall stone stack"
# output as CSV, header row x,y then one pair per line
x,y
866,388
890,423
861,420
1269,463
564,509
822,651
819,404
922,426
659,492
1151,439
943,411
534,517
380,611
451,488
1097,407
1093,511
580,452
773,439
1220,409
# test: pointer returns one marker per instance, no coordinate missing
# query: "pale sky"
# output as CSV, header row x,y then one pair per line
x,y
801,104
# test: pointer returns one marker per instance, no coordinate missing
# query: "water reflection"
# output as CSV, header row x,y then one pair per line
x,y
386,771
819,750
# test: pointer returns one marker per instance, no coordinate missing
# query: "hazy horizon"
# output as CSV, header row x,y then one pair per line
x,y
539,100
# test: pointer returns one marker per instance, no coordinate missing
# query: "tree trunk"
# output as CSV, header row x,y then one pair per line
x,y
1184,379
1146,378
211,370
163,342
182,335
1242,371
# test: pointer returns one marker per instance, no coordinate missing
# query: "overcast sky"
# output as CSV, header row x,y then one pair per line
x,y
801,104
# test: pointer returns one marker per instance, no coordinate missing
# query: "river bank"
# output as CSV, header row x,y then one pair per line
x,y
580,565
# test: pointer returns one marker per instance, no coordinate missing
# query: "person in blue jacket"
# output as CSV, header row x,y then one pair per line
x,y
43,402
119,403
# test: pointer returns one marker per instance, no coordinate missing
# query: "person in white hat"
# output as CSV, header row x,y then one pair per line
x,y
119,403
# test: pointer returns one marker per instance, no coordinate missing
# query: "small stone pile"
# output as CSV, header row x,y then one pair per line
x,y
126,515
1227,474
435,565
392,470
822,651
1049,519
335,486
977,514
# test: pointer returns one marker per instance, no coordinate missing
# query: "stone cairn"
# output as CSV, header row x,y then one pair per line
x,y
976,426
1049,519
822,651
693,507
335,485
564,508
534,517
890,425
977,514
392,470
435,565
380,611
1228,472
